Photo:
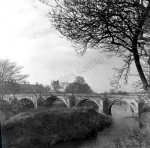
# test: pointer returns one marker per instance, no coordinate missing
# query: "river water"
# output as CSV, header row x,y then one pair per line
x,y
122,122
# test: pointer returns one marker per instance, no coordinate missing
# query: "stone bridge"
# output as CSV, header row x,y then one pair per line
x,y
103,103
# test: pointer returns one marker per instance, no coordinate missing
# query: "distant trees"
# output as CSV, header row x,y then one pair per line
x,y
122,92
119,92
79,86
80,80
47,88
10,76
112,91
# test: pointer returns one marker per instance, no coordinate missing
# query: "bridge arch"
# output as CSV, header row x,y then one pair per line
x,y
26,102
80,103
50,101
131,104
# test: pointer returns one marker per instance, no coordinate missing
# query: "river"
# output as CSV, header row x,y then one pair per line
x,y
121,114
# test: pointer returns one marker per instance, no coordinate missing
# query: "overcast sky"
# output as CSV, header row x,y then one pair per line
x,y
28,38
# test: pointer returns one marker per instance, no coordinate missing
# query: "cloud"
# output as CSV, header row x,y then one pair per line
x,y
36,30
28,38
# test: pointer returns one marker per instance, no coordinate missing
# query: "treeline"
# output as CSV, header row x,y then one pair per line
x,y
112,91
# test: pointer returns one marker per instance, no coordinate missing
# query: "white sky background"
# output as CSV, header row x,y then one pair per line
x,y
27,37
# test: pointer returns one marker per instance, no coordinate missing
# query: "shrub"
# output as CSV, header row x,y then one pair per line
x,y
52,126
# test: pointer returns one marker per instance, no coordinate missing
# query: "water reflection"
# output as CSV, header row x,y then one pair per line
x,y
120,127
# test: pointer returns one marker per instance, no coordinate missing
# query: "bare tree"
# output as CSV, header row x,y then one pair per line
x,y
10,74
117,26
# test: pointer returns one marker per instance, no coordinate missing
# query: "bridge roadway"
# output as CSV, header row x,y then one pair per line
x,y
104,102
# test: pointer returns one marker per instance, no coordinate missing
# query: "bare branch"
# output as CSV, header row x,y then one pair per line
x,y
118,26
9,72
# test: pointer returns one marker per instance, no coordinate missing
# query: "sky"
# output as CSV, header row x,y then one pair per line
x,y
28,38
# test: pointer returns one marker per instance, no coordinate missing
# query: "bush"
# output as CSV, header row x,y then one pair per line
x,y
47,127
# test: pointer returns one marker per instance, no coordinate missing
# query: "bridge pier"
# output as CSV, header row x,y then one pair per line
x,y
100,110
71,101
36,104
106,109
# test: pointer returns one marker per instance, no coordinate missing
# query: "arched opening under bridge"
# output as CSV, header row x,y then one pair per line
x,y
25,103
55,102
122,104
89,103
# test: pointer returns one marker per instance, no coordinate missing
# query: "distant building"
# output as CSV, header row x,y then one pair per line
x,y
31,88
58,86
26,88
64,85
55,86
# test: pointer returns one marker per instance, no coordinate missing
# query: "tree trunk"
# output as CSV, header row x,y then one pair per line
x,y
141,22
146,85
139,67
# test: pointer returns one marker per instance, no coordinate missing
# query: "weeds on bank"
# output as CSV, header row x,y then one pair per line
x,y
137,138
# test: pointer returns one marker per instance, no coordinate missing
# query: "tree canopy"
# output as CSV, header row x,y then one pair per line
x,y
78,86
80,80
120,27
10,76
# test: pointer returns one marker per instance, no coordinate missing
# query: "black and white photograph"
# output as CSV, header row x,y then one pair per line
x,y
75,74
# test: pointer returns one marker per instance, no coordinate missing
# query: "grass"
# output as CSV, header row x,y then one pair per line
x,y
45,127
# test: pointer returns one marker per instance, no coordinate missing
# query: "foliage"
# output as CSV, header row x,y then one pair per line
x,y
144,121
118,27
136,138
47,88
78,86
122,92
10,76
119,92
112,91
47,127
80,80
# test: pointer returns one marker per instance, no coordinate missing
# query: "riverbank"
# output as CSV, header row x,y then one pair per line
x,y
47,127
145,119
138,134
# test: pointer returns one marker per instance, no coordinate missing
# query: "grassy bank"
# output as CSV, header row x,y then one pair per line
x,y
44,128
